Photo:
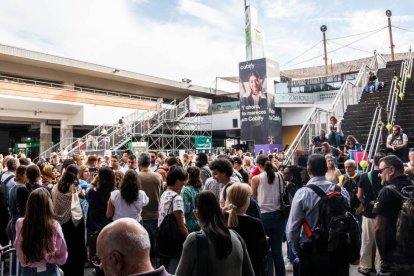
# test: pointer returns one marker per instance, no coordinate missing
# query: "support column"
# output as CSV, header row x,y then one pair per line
x,y
45,137
66,134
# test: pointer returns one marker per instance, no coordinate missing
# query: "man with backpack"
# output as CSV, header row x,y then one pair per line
x,y
349,181
317,211
369,186
397,143
394,222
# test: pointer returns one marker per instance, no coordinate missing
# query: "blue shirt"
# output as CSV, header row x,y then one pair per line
x,y
305,208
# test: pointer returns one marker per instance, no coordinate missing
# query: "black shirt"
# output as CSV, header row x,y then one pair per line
x,y
389,205
22,195
371,191
317,141
244,175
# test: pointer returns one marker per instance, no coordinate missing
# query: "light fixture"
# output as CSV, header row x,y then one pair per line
x,y
186,80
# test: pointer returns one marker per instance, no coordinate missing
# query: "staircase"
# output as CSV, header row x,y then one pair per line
x,y
358,118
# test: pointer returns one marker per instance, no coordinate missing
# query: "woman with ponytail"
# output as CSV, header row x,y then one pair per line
x,y
68,212
267,188
249,228
225,251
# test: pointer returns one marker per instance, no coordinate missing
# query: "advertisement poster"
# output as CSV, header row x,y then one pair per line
x,y
261,122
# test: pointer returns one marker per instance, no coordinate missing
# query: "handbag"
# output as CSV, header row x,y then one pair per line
x,y
284,203
75,207
169,239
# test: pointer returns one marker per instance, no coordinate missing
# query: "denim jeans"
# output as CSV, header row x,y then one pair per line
x,y
335,139
274,226
151,226
51,270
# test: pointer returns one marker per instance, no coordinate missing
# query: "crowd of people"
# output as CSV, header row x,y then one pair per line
x,y
201,214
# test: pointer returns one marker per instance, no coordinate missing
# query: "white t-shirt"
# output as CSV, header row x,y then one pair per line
x,y
397,140
123,210
165,203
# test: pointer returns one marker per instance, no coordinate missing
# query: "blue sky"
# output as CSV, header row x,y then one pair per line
x,y
200,39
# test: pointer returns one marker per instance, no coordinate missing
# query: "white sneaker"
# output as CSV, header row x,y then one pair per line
x,y
289,267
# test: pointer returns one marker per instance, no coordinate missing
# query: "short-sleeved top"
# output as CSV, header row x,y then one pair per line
x,y
96,219
125,210
189,194
389,205
399,140
317,141
371,191
165,203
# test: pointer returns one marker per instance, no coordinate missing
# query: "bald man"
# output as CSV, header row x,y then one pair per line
x,y
123,249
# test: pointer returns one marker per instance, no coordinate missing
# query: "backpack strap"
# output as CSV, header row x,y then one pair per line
x,y
203,258
317,190
369,174
396,191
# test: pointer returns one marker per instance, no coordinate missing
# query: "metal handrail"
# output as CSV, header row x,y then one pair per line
x,y
54,148
375,134
4,78
349,93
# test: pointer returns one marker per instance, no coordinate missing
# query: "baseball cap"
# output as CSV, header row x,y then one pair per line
x,y
107,153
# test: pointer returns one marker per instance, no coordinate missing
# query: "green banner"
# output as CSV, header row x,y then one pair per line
x,y
203,142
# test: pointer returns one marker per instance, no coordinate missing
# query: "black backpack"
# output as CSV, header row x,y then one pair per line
x,y
337,232
351,186
169,239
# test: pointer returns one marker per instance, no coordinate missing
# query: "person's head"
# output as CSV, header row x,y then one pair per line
x,y
171,161
292,174
265,165
38,229
317,165
12,164
201,159
119,175
66,163
33,174
83,172
255,83
350,167
123,248
144,160
115,162
185,157
130,186
396,130
350,140
326,148
132,162
210,217
322,133
237,163
330,162
126,154
69,177
194,177
48,172
106,182
21,174
176,178
237,201
377,158
24,161
390,167
222,170
54,159
153,157
333,120
247,161
92,161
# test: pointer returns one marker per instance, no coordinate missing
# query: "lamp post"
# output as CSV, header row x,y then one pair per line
x,y
323,30
389,14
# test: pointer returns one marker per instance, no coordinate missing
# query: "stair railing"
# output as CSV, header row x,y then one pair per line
x,y
349,94
55,148
375,135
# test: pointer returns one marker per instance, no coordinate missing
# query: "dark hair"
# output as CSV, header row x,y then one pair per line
x,y
130,186
66,163
38,226
212,223
115,156
201,159
21,171
12,164
171,161
264,162
106,182
132,157
377,158
33,173
295,171
194,177
222,165
175,173
69,177
24,161
317,165
129,152
393,161
144,160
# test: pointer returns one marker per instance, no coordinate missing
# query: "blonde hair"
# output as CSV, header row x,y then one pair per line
x,y
238,196
246,159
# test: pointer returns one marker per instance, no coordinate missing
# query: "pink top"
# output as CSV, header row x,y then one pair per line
x,y
255,171
59,250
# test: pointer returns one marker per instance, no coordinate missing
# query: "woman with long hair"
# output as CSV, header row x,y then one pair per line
x,y
73,227
226,251
268,188
333,172
40,243
335,134
351,143
97,198
189,193
129,200
249,228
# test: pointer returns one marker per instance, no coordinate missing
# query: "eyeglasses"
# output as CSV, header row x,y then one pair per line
x,y
96,261
383,169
